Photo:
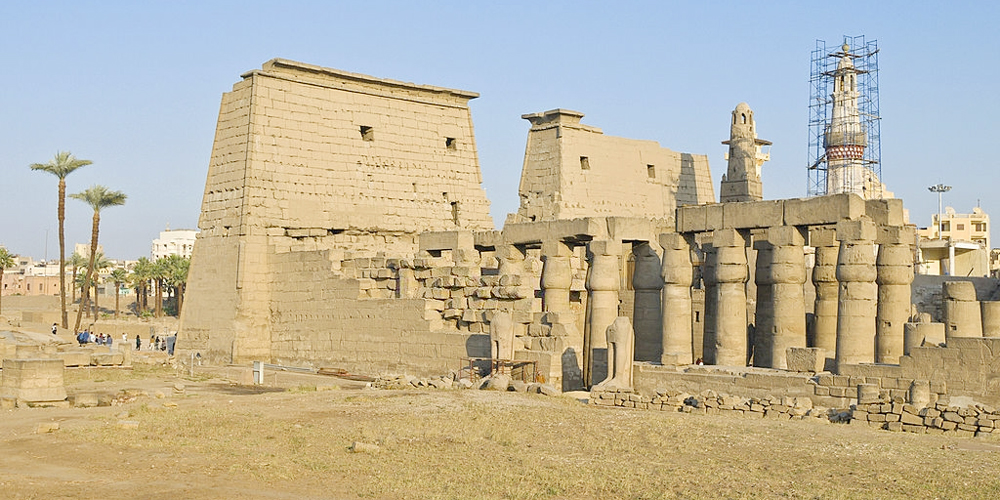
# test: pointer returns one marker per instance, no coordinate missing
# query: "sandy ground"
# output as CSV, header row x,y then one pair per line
x,y
204,436
291,439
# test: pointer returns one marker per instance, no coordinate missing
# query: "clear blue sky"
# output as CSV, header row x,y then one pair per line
x,y
135,87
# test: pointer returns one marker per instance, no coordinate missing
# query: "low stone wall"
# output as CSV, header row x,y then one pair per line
x,y
940,418
709,402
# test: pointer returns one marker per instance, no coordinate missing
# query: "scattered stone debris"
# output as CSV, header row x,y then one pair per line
x,y
47,427
127,424
359,447
497,382
976,420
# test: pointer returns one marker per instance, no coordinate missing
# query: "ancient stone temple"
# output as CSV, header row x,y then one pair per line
x,y
344,225
309,158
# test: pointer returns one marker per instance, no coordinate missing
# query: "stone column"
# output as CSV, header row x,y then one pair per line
x,y
894,267
726,276
502,336
858,292
962,314
787,274
510,260
763,316
620,340
603,281
557,276
647,283
991,318
824,276
678,275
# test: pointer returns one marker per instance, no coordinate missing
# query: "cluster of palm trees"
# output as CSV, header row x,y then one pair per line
x,y
99,198
165,277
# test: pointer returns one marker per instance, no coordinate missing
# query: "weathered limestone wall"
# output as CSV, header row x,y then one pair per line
x,y
30,382
318,320
309,158
573,170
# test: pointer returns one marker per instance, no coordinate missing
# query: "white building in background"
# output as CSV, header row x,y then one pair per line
x,y
174,242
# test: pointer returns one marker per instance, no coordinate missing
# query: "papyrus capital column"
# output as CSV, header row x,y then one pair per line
x,y
647,283
726,275
557,276
786,275
857,292
824,277
894,267
603,282
677,272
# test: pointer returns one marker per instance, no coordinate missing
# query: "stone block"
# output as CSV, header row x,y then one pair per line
x,y
753,214
862,229
74,358
33,381
895,235
867,394
446,240
106,359
823,209
886,212
692,219
805,359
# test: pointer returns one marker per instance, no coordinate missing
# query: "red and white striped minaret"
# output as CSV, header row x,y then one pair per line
x,y
845,138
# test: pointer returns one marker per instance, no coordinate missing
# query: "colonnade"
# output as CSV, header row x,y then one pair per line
x,y
861,277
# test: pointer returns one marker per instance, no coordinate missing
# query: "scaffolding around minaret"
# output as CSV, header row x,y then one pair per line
x,y
844,124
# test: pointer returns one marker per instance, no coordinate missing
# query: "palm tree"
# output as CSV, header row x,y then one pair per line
x,y
175,275
119,276
159,278
62,165
6,262
86,303
142,272
101,264
98,197
76,261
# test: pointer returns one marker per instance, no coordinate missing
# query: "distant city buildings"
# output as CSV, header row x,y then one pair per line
x,y
174,242
956,244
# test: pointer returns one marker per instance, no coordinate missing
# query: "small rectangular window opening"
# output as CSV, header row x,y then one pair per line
x,y
367,133
451,143
454,212
651,171
584,163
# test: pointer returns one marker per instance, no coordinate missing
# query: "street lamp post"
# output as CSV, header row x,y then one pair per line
x,y
939,189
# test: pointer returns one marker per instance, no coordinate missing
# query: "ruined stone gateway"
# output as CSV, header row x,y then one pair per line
x,y
344,224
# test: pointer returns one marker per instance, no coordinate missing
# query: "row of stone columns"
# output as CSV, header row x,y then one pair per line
x,y
862,298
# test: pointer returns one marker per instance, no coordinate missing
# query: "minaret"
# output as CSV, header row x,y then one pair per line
x,y
741,182
845,138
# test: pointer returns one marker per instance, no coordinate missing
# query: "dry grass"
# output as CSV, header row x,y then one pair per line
x,y
469,444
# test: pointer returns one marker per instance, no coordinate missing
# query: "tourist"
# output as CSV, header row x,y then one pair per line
x,y
138,343
55,329
152,341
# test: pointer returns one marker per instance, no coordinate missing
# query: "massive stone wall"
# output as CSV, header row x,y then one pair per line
x,y
572,170
313,158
